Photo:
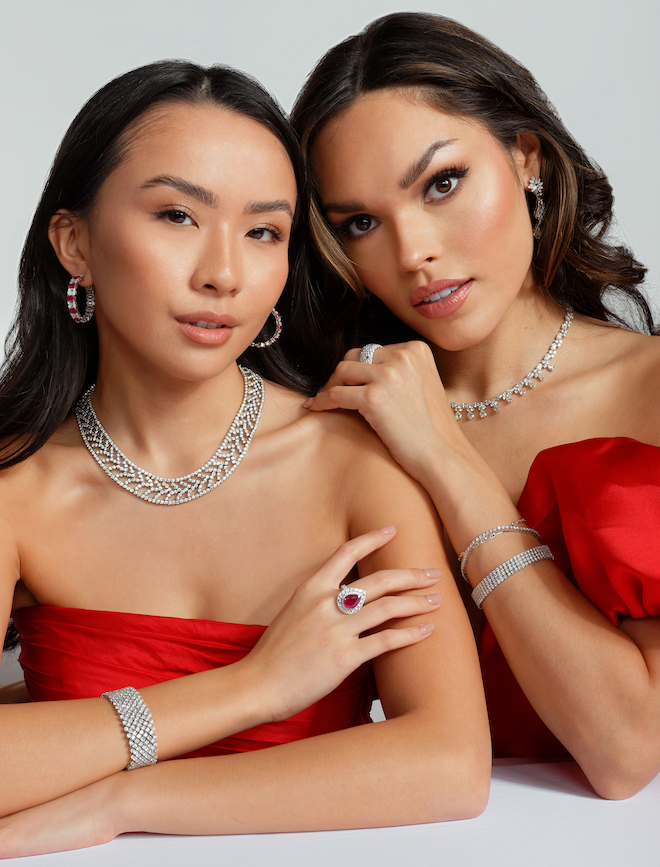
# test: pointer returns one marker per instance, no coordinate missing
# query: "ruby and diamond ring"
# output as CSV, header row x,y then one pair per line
x,y
350,599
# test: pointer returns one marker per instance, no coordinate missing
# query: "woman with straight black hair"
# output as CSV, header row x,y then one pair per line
x,y
171,608
466,220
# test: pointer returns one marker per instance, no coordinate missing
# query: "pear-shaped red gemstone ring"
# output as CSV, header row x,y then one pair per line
x,y
350,599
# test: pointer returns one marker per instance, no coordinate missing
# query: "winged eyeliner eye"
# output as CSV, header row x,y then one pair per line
x,y
174,215
350,228
453,174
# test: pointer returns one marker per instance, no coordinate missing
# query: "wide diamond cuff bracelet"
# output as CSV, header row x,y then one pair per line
x,y
138,725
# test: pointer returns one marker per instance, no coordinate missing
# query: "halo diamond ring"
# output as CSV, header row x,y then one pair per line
x,y
350,599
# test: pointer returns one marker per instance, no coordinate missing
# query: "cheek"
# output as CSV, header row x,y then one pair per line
x,y
266,271
499,226
119,254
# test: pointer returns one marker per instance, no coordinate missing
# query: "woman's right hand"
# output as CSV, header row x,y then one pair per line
x,y
400,394
311,646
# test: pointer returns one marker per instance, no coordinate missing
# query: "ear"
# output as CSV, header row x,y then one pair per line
x,y
527,156
69,236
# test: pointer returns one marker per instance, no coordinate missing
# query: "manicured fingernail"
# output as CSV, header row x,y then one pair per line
x,y
307,403
427,628
433,573
435,599
388,530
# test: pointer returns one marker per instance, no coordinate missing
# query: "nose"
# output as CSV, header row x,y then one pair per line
x,y
416,241
218,269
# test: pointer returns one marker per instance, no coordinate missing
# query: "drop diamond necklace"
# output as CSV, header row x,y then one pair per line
x,y
173,492
528,381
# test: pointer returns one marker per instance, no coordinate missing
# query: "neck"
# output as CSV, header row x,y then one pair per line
x,y
505,356
168,427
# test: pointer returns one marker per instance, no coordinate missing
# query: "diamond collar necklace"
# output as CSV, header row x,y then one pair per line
x,y
173,492
526,382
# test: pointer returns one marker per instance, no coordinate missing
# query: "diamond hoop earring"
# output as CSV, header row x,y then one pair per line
x,y
276,336
535,186
72,301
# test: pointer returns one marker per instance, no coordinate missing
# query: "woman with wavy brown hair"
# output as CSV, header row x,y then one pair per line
x,y
472,230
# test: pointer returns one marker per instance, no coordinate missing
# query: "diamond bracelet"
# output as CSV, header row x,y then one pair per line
x,y
490,534
507,569
138,725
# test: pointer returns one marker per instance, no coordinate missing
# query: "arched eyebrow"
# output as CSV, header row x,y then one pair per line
x,y
344,207
269,207
206,197
420,165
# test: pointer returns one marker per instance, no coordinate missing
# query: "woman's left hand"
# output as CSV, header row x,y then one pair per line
x,y
401,396
86,817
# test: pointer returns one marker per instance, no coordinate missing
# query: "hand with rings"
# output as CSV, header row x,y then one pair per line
x,y
398,390
312,646
367,352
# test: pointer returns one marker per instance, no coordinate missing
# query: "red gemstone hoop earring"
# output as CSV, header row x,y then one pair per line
x,y
72,300
276,336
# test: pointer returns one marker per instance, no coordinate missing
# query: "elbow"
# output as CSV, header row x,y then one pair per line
x,y
618,788
460,787
618,783
473,788
630,764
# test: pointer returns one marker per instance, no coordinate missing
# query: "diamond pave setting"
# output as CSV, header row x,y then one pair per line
x,y
528,381
138,725
173,492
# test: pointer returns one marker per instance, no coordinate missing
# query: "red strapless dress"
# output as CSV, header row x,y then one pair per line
x,y
75,653
596,504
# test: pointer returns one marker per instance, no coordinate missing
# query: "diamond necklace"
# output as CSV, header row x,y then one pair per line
x,y
172,492
525,382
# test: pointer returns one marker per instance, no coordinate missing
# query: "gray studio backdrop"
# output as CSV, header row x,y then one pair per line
x,y
597,60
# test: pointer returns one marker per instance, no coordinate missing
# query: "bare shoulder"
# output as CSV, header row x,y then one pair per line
x,y
342,449
617,375
14,482
610,344
343,435
33,478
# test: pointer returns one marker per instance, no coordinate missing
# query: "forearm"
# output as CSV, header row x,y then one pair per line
x,y
50,748
586,679
375,775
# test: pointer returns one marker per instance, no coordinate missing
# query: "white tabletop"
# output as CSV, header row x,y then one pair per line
x,y
540,815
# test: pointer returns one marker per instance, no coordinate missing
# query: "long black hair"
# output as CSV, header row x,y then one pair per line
x,y
462,73
50,360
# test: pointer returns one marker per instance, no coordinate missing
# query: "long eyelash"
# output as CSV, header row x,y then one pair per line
x,y
277,234
172,210
342,228
445,175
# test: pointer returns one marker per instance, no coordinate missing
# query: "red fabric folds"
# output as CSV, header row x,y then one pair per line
x,y
596,503
75,653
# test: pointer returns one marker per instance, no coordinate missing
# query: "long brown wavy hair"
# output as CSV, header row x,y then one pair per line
x,y
462,73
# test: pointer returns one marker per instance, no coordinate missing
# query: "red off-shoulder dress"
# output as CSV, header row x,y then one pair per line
x,y
596,504
76,653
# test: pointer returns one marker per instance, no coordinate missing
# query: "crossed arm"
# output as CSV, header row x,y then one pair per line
x,y
429,761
